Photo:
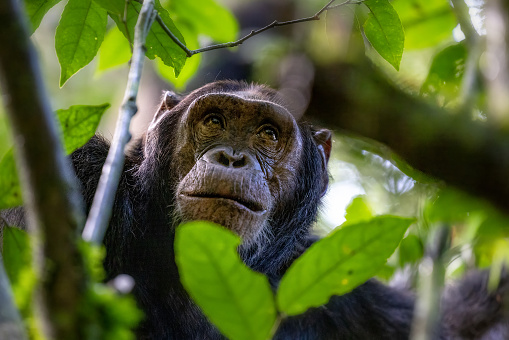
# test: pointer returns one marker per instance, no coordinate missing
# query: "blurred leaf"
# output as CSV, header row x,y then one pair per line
x,y
114,51
446,72
79,123
93,258
18,265
384,31
411,250
16,252
112,6
10,190
36,10
358,210
191,66
426,22
236,299
340,262
489,234
110,315
79,34
158,43
499,263
206,17
453,206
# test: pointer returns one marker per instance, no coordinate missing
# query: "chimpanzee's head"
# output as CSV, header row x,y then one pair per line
x,y
234,155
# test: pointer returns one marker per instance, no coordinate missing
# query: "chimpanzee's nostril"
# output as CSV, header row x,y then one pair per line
x,y
239,162
223,159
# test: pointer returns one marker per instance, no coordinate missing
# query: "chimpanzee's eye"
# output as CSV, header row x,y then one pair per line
x,y
268,132
214,121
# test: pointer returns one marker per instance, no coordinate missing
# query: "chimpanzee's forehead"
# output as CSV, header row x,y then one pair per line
x,y
241,103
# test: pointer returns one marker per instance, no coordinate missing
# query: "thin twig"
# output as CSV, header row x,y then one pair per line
x,y
273,24
176,40
100,212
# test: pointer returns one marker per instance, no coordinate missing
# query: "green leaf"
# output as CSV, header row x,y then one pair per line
x,y
79,123
158,43
426,22
340,262
384,31
10,190
446,72
79,34
236,299
18,265
358,210
114,51
37,9
192,63
206,17
112,6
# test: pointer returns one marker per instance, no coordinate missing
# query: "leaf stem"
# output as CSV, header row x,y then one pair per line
x,y
100,212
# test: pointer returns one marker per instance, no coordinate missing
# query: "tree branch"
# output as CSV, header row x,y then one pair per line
x,y
52,200
100,212
470,155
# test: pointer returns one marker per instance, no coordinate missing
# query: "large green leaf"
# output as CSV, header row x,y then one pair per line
x,y
446,73
79,34
79,123
236,299
158,43
37,9
340,262
114,51
384,31
10,191
426,22
206,17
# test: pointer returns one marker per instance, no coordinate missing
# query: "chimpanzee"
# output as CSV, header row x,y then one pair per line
x,y
230,152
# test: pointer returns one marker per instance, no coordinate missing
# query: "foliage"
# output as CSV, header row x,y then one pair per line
x,y
77,123
239,301
110,314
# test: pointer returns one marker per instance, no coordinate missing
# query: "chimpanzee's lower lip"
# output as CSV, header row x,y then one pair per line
x,y
252,206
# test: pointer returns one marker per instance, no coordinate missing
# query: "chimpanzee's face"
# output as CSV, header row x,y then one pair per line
x,y
237,159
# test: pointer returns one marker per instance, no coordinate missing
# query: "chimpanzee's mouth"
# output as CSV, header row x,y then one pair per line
x,y
250,205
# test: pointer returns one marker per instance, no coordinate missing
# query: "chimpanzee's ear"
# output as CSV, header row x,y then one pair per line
x,y
169,101
323,141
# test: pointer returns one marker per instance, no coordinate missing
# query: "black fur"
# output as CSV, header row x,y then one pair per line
x,y
139,242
